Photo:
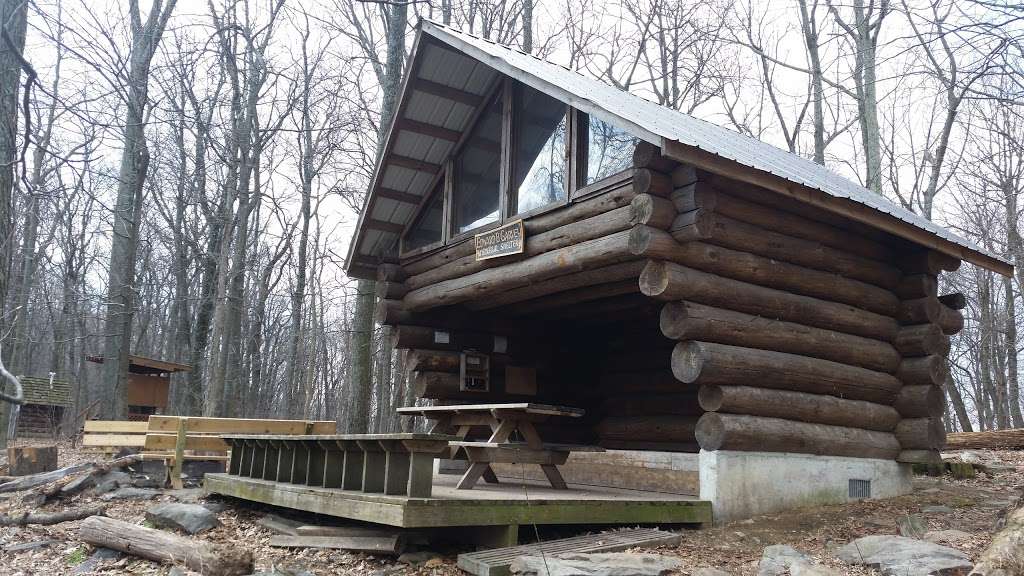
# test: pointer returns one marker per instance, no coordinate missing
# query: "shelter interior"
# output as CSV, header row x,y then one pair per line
x,y
149,383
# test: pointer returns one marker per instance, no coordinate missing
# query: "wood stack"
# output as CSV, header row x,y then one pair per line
x,y
927,320
785,319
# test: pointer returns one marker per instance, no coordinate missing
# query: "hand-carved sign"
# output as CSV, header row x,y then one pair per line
x,y
503,241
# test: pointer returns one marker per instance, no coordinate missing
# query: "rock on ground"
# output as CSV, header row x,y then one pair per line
x,y
130,493
191,518
782,560
416,558
598,564
899,556
947,537
709,572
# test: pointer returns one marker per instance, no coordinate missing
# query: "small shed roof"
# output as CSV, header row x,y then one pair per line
x,y
449,75
145,365
43,391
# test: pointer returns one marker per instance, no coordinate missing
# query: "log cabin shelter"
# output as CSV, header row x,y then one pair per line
x,y
149,384
738,322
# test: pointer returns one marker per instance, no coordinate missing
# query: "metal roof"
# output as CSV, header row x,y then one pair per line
x,y
702,143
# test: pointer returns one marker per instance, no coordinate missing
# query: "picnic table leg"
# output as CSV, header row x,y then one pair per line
x,y
472,475
530,435
554,476
179,455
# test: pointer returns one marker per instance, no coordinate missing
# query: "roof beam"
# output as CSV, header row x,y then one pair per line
x,y
383,226
413,164
447,92
398,196
426,129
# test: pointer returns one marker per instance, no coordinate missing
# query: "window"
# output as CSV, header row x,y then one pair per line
x,y
539,122
427,229
478,173
609,150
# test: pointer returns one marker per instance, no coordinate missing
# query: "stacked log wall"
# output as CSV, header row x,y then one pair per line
x,y
801,334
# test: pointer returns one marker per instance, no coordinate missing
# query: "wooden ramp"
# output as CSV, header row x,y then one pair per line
x,y
496,562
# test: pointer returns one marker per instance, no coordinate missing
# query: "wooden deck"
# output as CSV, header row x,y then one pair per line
x,y
504,504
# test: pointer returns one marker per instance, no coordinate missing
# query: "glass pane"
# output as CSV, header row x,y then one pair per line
x,y
478,172
609,150
427,229
539,149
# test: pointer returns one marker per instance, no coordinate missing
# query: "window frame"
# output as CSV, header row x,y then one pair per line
x,y
581,143
513,195
420,211
501,90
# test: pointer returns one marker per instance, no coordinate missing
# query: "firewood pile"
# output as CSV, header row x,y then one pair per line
x,y
1012,439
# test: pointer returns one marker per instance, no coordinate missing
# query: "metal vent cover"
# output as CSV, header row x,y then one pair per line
x,y
860,488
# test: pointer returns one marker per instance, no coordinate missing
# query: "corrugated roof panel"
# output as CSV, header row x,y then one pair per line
x,y
397,178
431,109
383,210
371,243
447,67
649,118
480,79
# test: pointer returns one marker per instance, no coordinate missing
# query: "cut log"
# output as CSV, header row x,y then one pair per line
x,y
659,245
647,155
49,519
645,382
692,321
709,363
956,300
390,290
798,406
693,225
921,434
738,235
670,281
921,340
920,401
390,313
924,370
917,286
1003,555
1011,439
704,195
427,338
203,557
432,361
647,428
574,258
688,447
562,284
390,545
438,385
559,302
679,404
393,273
759,434
919,311
928,262
597,226
26,460
647,181
652,211
951,321
30,482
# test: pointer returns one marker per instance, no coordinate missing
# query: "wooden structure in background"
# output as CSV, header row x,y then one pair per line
x,y
42,413
26,460
701,291
149,384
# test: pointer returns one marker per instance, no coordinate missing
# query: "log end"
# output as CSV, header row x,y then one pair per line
x,y
687,361
710,431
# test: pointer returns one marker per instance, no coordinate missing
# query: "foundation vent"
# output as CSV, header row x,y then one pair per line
x,y
860,488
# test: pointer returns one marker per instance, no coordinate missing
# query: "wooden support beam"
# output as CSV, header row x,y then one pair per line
x,y
399,196
799,406
563,285
392,227
709,363
692,321
669,281
431,130
447,92
413,164
760,434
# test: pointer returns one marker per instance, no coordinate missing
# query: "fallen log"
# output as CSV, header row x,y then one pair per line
x,y
798,406
1009,439
1003,556
709,363
921,434
759,434
391,545
30,482
692,321
657,244
920,401
921,340
670,281
55,488
48,519
203,557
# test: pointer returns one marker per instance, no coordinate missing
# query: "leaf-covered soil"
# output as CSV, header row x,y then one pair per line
x,y
977,506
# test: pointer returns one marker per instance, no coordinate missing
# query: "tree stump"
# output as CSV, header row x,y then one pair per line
x,y
26,460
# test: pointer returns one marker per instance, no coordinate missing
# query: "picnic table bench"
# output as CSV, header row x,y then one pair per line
x,y
503,420
399,464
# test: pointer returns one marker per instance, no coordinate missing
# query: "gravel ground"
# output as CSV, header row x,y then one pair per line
x,y
977,507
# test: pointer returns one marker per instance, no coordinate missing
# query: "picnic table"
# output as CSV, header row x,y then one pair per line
x,y
503,420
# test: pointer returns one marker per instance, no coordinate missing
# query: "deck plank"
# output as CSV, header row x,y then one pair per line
x,y
496,562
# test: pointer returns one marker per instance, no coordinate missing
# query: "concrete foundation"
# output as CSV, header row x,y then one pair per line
x,y
744,484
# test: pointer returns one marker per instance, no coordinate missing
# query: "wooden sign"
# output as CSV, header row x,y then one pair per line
x,y
502,241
